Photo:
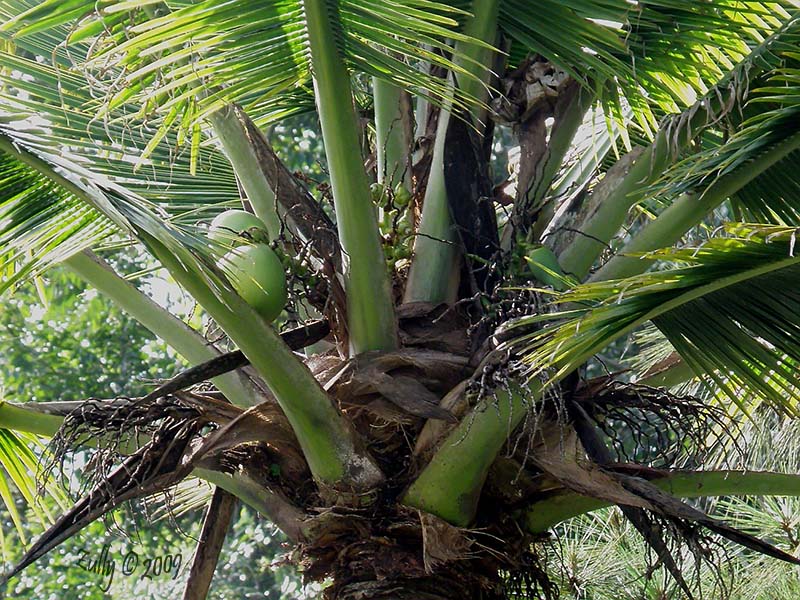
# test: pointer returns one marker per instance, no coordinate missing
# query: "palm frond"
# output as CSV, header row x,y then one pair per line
x,y
731,312
40,223
773,196
55,100
44,110
660,54
202,56
772,112
130,213
19,465
53,208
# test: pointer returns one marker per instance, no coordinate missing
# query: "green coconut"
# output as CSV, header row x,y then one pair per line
x,y
258,277
227,227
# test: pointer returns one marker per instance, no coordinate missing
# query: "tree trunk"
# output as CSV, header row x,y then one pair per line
x,y
390,552
380,569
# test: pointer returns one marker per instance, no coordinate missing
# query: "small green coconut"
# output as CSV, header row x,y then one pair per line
x,y
258,277
227,227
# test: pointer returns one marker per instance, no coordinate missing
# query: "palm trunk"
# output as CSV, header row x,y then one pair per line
x,y
461,584
407,561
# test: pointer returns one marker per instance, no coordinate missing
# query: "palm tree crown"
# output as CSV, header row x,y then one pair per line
x,y
465,360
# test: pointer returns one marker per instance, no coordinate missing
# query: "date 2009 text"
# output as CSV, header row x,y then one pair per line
x,y
106,565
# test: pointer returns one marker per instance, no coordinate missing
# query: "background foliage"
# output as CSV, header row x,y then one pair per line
x,y
102,352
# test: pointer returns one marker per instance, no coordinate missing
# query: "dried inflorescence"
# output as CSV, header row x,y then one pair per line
x,y
651,426
118,427
175,433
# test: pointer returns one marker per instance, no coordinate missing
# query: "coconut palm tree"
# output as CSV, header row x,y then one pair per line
x,y
484,357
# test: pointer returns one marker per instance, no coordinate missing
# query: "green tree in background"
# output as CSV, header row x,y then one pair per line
x,y
77,346
435,365
102,351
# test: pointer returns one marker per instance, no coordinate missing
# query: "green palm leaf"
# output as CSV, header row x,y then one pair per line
x,y
671,51
251,53
46,112
20,455
712,119
775,121
56,101
102,198
40,223
216,50
731,312
773,197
